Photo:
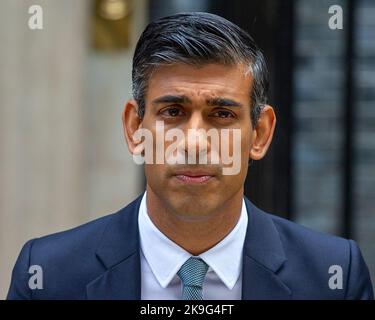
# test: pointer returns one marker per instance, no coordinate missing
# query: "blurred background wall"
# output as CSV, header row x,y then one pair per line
x,y
63,159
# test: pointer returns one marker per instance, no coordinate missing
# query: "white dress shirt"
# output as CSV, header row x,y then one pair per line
x,y
161,259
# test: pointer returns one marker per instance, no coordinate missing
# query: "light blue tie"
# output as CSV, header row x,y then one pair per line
x,y
192,275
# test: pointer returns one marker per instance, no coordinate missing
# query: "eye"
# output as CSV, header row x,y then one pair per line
x,y
223,114
172,112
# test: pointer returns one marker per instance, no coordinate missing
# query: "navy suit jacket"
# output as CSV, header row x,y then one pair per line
x,y
101,260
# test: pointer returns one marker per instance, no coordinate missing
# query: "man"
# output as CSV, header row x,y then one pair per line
x,y
192,234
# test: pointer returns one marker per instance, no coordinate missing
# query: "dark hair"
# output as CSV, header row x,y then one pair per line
x,y
197,38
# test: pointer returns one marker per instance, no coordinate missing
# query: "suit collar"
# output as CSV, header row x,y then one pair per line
x,y
263,257
119,251
262,242
169,257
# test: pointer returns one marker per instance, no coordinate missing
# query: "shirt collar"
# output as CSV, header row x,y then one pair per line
x,y
165,257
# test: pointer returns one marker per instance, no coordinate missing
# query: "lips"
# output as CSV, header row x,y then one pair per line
x,y
194,177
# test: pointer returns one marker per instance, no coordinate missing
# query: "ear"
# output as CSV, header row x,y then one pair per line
x,y
131,122
263,133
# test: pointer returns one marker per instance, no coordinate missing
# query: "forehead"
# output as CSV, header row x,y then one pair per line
x,y
201,81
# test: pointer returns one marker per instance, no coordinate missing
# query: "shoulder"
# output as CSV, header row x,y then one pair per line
x,y
83,239
65,244
64,261
316,260
296,236
68,259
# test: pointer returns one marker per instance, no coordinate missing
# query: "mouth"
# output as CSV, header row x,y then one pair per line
x,y
194,177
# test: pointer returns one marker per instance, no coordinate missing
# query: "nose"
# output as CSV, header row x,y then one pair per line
x,y
196,142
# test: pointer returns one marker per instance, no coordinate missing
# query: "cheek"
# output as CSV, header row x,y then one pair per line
x,y
246,141
246,147
149,173
155,171
153,175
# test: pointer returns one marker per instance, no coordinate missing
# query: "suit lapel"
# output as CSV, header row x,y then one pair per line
x,y
119,253
263,256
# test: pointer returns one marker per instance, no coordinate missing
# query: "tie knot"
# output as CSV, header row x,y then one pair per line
x,y
192,272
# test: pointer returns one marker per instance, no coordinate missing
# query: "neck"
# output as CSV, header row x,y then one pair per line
x,y
195,236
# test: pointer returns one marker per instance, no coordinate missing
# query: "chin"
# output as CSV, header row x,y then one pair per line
x,y
194,209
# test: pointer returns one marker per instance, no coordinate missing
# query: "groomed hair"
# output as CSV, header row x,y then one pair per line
x,y
198,38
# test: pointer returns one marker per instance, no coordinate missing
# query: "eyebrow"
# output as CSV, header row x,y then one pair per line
x,y
217,101
171,99
223,102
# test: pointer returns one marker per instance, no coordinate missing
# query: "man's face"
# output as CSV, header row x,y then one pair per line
x,y
208,97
